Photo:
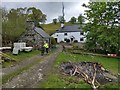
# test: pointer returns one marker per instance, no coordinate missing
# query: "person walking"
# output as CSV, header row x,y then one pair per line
x,y
46,45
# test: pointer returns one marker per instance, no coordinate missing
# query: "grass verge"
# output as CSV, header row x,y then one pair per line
x,y
8,77
57,80
21,56
110,64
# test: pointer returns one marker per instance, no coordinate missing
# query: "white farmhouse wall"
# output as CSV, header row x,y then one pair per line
x,y
77,35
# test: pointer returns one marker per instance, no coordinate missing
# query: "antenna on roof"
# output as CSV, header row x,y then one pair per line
x,y
63,11
63,14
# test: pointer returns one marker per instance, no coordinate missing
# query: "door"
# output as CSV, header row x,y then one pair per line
x,y
56,39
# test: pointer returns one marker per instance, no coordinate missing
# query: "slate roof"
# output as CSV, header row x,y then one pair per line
x,y
42,32
73,28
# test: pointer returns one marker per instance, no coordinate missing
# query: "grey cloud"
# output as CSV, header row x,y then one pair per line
x,y
51,9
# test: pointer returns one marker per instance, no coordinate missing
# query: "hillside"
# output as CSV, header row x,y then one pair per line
x,y
51,28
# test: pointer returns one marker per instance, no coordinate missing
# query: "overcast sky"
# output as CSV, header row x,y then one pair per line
x,y
51,9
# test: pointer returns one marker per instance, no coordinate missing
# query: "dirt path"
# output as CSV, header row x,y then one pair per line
x,y
31,77
21,64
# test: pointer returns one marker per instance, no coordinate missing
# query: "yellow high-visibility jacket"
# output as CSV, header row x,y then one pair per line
x,y
46,45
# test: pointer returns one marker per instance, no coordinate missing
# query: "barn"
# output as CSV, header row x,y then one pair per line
x,y
34,36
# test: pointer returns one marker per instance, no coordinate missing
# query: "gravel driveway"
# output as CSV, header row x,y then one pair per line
x,y
31,77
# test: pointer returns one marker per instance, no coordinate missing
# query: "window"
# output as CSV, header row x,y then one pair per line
x,y
71,39
81,33
65,39
65,33
81,39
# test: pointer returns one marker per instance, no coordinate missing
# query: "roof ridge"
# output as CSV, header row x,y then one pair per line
x,y
41,32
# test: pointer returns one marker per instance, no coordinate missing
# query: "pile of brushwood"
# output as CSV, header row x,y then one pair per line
x,y
91,72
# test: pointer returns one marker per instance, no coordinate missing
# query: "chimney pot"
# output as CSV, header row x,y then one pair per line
x,y
62,25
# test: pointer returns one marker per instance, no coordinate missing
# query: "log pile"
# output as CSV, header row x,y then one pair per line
x,y
91,72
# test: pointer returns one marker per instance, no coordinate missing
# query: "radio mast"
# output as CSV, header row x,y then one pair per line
x,y
63,13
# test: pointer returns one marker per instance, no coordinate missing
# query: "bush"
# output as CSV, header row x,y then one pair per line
x,y
75,46
75,41
53,42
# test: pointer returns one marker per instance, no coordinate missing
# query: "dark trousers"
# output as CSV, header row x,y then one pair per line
x,y
46,50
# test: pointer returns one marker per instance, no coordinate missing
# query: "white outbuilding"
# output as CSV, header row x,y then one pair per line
x,y
70,34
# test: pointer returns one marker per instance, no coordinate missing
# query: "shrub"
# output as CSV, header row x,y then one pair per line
x,y
75,46
53,42
75,41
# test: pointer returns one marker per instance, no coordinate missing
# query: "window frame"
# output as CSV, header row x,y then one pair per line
x,y
65,34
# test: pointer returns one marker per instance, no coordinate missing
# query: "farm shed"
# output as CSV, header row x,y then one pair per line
x,y
34,35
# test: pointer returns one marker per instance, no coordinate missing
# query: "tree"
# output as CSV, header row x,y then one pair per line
x,y
14,22
55,21
36,15
43,19
81,20
4,14
73,20
61,19
53,42
103,26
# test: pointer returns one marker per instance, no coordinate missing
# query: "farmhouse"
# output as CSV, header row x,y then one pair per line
x,y
69,34
34,36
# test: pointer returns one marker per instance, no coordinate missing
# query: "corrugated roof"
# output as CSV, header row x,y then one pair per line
x,y
41,32
73,28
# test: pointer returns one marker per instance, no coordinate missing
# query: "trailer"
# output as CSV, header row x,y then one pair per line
x,y
19,47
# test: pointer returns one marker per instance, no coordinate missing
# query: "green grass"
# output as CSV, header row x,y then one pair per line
x,y
21,56
58,80
108,63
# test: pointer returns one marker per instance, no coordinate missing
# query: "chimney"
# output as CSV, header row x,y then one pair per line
x,y
62,25
30,25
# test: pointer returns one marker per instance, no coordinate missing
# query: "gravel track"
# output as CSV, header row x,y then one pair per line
x,y
19,65
31,77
